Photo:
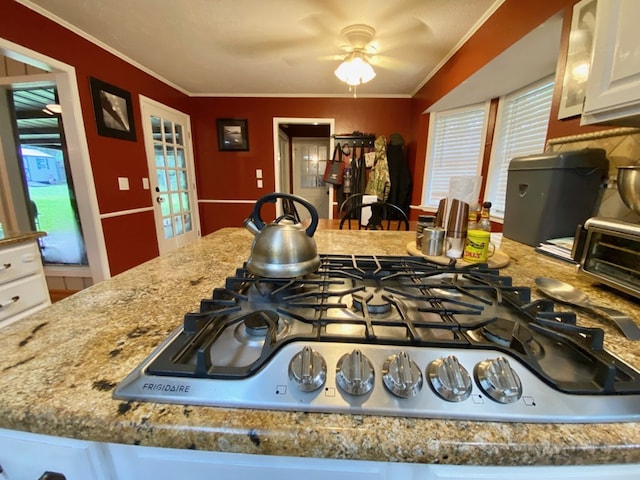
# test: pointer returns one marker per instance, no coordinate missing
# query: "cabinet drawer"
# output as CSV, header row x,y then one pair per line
x,y
19,261
21,295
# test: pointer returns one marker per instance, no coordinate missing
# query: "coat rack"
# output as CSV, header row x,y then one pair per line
x,y
356,140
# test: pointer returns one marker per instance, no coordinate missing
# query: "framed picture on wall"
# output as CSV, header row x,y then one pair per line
x,y
113,110
233,134
576,72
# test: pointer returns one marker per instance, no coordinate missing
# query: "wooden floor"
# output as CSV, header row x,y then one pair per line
x,y
57,295
334,224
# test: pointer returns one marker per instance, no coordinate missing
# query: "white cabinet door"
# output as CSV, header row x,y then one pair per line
x,y
613,88
150,463
27,456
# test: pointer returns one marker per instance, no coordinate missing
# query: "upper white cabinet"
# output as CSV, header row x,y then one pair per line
x,y
613,88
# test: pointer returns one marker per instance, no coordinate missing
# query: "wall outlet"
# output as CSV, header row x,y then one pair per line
x,y
145,183
123,183
260,184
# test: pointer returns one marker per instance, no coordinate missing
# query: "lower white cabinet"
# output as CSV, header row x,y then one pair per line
x,y
27,456
23,286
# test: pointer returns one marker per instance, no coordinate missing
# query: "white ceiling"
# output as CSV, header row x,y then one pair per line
x,y
273,47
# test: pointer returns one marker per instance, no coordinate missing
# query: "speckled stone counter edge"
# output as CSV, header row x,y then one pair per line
x,y
59,367
10,238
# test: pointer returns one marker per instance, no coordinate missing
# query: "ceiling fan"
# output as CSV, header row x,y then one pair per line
x,y
355,68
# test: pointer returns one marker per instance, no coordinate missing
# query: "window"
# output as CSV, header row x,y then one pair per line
x,y
455,147
521,129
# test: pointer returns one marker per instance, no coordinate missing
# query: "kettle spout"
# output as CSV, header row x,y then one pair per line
x,y
250,225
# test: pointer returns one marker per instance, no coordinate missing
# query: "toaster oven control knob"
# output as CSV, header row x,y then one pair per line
x,y
449,379
354,373
308,370
498,380
402,376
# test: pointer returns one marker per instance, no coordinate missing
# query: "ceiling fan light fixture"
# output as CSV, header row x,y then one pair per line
x,y
355,70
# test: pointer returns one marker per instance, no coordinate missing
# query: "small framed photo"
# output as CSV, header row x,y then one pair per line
x,y
576,71
113,110
233,134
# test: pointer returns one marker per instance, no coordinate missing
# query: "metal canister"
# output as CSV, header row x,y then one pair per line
x,y
433,241
424,221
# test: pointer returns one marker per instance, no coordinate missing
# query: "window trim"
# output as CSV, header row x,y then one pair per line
x,y
498,139
433,116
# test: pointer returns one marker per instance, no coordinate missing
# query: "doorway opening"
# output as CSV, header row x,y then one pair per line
x,y
302,146
32,69
46,174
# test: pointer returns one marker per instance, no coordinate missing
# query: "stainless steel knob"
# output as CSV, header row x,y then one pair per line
x,y
308,370
498,380
354,373
449,379
402,376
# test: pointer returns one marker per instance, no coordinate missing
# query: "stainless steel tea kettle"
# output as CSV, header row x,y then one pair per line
x,y
282,248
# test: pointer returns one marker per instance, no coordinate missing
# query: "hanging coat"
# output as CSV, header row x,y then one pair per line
x,y
379,181
399,174
358,173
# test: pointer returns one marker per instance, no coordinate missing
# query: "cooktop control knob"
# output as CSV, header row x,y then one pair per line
x,y
354,373
449,379
498,380
402,376
308,370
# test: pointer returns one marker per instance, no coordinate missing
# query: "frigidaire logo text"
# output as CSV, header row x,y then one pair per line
x,y
166,387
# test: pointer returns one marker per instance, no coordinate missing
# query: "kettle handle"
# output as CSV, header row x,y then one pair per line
x,y
272,197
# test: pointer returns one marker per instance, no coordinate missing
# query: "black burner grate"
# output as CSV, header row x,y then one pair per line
x,y
393,301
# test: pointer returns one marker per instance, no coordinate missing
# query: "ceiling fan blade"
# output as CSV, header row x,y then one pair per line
x,y
414,33
387,62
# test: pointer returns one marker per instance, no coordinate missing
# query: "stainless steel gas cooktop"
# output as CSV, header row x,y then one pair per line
x,y
389,335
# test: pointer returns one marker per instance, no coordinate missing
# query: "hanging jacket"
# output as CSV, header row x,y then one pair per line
x,y
358,173
379,181
399,174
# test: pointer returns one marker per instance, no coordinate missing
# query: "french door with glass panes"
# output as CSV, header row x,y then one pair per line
x,y
310,156
167,135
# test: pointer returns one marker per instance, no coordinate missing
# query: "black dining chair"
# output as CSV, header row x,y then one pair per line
x,y
350,202
384,216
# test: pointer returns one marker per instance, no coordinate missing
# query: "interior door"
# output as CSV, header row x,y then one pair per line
x,y
167,135
310,156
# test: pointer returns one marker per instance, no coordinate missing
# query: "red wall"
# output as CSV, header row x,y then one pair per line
x,y
511,21
232,175
110,158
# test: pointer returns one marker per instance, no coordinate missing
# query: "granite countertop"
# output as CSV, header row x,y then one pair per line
x,y
13,237
60,366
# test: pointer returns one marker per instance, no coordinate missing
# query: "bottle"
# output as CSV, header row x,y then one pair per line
x,y
424,221
346,180
472,222
485,223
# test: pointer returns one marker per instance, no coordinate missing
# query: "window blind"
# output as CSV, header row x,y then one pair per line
x,y
456,140
521,129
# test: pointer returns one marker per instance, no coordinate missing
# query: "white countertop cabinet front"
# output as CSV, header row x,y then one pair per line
x,y
613,88
23,287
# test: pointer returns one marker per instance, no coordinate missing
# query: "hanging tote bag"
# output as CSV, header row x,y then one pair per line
x,y
334,171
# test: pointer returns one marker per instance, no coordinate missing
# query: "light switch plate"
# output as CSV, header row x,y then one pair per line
x,y
123,183
259,183
145,183
258,173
